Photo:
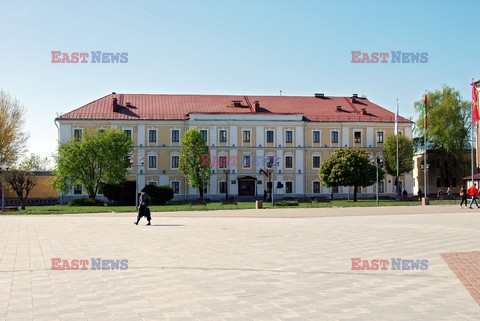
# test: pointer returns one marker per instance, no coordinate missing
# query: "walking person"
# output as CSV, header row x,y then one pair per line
x,y
143,210
473,191
449,193
463,195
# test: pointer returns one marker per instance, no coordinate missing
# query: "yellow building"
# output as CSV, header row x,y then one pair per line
x,y
289,135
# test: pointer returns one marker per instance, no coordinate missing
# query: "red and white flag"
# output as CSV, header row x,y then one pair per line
x,y
475,114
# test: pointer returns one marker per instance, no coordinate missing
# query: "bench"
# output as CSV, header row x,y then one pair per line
x,y
198,202
323,199
228,202
304,200
11,209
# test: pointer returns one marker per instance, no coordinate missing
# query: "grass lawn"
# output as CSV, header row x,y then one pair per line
x,y
61,209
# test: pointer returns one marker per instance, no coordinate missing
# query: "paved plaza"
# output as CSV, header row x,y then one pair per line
x,y
275,264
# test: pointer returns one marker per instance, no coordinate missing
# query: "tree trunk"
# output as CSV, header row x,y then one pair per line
x,y
200,190
22,203
354,193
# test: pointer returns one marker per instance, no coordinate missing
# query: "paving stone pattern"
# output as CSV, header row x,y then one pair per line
x,y
238,268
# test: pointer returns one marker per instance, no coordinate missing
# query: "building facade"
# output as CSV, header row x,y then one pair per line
x,y
248,136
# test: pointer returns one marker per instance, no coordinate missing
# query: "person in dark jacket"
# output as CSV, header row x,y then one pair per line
x,y
463,194
143,210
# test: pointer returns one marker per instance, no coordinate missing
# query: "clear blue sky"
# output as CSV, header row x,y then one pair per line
x,y
231,47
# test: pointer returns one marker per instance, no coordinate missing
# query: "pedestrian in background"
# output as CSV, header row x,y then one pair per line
x,y
473,192
463,194
144,210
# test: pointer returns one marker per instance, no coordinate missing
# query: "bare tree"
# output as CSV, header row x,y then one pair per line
x,y
12,137
21,182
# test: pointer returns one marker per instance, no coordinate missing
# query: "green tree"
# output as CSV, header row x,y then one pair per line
x,y
405,155
98,157
35,162
349,167
448,131
12,137
191,162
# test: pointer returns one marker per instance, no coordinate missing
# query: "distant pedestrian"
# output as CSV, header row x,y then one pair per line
x,y
463,194
331,195
143,210
439,194
404,193
473,192
449,193
265,195
419,194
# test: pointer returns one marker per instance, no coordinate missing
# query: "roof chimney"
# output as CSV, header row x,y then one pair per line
x,y
114,93
237,103
115,105
319,95
354,98
338,108
364,111
128,104
256,106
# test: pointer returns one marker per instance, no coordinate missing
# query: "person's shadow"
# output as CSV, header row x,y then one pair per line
x,y
167,225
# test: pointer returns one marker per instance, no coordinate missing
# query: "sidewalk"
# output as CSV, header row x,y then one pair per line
x,y
237,265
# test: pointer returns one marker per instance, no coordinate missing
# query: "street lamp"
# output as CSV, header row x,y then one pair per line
x,y
136,180
425,177
378,163
3,168
270,174
226,171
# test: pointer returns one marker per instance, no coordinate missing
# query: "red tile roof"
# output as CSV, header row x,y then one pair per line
x,y
170,107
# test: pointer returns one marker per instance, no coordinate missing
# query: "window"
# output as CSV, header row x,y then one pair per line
x,y
175,160
222,187
454,181
77,133
152,161
269,161
379,137
269,136
316,187
289,162
335,189
204,135
334,136
288,187
381,187
152,135
316,136
175,136
246,161
223,136
77,189
246,136
128,132
357,137
316,161
222,162
176,187
359,189
438,181
288,136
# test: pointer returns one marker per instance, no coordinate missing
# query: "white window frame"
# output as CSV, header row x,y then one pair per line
x,y
177,154
171,135
152,154
357,131
124,128
247,155
226,138
331,136
156,136
320,161
319,187
266,136
319,136
383,137
81,190
285,160
285,137
293,186
204,129
179,187
77,129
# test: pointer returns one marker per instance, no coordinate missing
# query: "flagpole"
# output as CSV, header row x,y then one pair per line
x,y
473,129
396,134
425,150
